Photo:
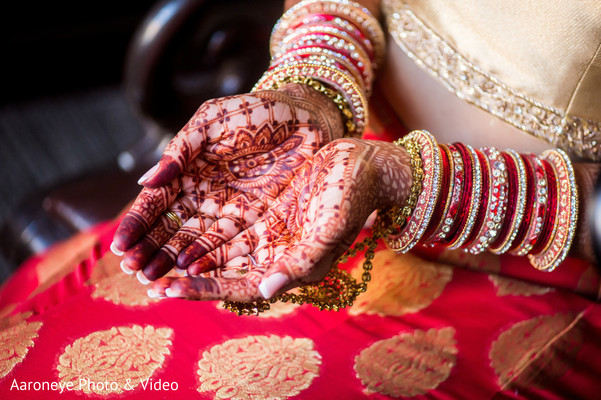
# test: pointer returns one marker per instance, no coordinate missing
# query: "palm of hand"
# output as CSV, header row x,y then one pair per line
x,y
311,223
220,173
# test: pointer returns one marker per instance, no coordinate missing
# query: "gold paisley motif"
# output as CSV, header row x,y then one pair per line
x,y
515,287
537,350
401,284
276,310
258,367
408,364
16,339
122,356
123,290
484,261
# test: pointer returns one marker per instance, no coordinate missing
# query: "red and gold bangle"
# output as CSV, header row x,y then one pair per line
x,y
516,202
329,56
339,42
564,226
455,192
413,231
347,10
496,203
352,29
354,45
473,196
444,199
548,225
539,206
334,78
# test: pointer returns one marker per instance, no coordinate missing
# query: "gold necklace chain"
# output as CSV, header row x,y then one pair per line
x,y
339,289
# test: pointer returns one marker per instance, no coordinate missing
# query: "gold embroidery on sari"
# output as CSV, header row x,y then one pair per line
x,y
124,290
401,284
537,350
470,83
515,287
258,367
408,364
16,339
124,357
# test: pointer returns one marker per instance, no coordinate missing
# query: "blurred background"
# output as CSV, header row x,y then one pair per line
x,y
90,92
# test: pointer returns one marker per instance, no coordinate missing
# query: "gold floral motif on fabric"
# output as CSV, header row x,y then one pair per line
x,y
16,339
401,284
470,83
114,360
515,287
123,290
276,310
409,364
484,261
258,367
537,350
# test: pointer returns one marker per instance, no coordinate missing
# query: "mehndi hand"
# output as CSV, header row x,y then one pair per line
x,y
313,221
227,164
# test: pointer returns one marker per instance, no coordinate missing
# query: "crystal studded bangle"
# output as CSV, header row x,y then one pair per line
x,y
419,218
347,10
564,227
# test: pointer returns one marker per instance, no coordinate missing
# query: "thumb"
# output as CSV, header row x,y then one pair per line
x,y
163,172
181,150
299,263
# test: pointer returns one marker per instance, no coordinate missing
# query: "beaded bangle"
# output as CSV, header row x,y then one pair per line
x,y
348,10
444,199
320,33
516,202
472,196
496,205
339,101
412,232
564,226
348,26
332,77
455,192
330,57
537,209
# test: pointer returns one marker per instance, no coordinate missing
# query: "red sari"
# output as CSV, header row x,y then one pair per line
x,y
433,324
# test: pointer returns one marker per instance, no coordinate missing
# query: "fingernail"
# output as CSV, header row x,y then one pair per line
x,y
142,278
272,284
115,250
124,268
147,174
179,270
170,292
153,294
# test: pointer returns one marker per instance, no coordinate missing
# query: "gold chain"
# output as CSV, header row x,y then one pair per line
x,y
339,289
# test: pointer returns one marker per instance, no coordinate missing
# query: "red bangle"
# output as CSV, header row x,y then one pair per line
x,y
516,172
556,246
457,178
548,222
536,212
482,204
496,206
420,218
528,205
443,197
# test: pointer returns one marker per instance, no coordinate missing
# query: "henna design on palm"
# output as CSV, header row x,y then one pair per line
x,y
310,225
221,172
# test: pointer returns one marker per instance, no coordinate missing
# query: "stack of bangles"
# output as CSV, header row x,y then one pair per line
x,y
332,46
479,200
